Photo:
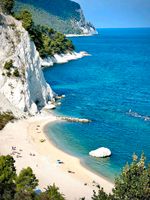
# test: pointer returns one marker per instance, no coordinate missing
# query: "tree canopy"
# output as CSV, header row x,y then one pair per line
x,y
26,180
22,186
132,184
7,177
7,6
47,41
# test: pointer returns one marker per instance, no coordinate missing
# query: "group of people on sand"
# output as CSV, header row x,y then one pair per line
x,y
18,153
14,152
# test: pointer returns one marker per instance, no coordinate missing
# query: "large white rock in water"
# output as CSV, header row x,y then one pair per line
x,y
100,152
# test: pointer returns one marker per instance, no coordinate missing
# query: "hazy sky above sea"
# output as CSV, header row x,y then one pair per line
x,y
117,13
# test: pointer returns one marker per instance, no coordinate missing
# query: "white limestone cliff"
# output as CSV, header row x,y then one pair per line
x,y
63,58
29,91
86,27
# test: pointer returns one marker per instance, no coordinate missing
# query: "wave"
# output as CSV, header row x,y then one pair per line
x,y
137,115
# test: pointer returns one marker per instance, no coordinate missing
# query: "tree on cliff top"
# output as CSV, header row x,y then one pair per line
x,y
7,6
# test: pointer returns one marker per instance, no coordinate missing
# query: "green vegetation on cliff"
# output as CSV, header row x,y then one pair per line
x,y
5,118
6,6
47,41
62,15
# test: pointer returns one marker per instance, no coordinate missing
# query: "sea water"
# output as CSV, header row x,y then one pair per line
x,y
112,88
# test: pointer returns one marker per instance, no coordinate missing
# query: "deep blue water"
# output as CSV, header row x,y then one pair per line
x,y
104,87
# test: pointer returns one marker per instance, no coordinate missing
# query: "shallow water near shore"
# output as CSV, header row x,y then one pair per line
x,y
112,88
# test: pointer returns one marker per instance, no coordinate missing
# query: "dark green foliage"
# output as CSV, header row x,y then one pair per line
x,y
7,177
26,17
22,187
101,195
8,65
7,6
47,41
51,193
26,181
8,73
5,118
23,195
16,73
134,181
132,184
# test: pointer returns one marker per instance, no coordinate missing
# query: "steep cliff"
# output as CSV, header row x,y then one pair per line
x,y
23,88
63,15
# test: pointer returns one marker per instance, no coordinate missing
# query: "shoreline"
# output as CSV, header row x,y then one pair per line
x,y
82,35
45,131
32,140
63,58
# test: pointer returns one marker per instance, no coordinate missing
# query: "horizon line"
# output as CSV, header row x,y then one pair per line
x,y
121,27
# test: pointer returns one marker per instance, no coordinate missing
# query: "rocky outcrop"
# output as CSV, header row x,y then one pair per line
x,y
21,79
86,27
72,119
62,58
100,152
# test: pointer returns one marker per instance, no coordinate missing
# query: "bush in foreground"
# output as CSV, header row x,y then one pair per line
x,y
132,184
22,186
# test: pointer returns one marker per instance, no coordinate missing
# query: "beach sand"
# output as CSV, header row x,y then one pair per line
x,y
34,149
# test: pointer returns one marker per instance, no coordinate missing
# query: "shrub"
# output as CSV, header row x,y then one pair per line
x,y
8,74
7,177
26,17
5,118
47,41
134,181
16,73
132,184
51,193
26,180
8,65
7,6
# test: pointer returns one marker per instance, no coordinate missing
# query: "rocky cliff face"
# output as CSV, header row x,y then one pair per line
x,y
86,27
22,84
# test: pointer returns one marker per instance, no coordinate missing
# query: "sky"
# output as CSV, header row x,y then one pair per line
x,y
117,13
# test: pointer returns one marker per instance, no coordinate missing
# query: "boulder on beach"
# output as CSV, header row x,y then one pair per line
x,y
100,152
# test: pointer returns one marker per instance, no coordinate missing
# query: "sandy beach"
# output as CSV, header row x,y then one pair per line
x,y
34,149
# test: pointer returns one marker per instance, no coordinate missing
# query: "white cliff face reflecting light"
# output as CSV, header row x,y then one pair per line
x,y
63,58
28,92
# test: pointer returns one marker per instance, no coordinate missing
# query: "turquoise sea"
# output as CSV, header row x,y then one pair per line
x,y
112,88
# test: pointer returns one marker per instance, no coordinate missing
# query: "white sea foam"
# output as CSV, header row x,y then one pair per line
x,y
137,115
